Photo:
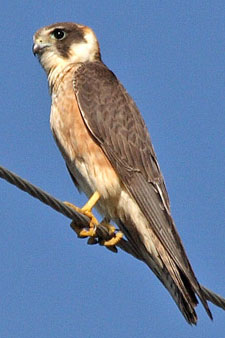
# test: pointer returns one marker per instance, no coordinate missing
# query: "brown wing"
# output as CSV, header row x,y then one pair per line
x,y
116,124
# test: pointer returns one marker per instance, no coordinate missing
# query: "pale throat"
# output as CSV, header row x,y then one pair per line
x,y
57,73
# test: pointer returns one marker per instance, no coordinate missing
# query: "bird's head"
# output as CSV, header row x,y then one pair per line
x,y
65,43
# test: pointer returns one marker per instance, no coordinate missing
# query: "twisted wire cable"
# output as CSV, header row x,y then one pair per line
x,y
42,196
79,219
83,222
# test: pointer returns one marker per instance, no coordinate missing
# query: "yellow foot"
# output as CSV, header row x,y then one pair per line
x,y
83,233
115,236
87,211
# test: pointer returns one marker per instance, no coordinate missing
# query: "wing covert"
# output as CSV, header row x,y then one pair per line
x,y
115,122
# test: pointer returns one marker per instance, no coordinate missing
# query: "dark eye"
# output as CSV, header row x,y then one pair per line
x,y
58,34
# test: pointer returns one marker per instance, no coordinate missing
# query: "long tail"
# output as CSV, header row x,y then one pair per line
x,y
179,288
182,290
213,297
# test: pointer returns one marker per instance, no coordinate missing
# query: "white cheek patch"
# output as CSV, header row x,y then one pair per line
x,y
79,52
84,51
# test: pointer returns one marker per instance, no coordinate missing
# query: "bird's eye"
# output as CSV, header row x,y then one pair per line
x,y
58,34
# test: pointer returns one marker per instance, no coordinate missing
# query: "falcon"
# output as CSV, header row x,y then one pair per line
x,y
108,152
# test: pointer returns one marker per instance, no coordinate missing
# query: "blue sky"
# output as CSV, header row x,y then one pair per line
x,y
170,57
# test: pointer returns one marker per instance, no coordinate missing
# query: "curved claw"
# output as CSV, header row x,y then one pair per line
x,y
82,233
114,240
91,232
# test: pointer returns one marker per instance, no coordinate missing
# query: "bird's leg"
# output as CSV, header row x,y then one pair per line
x,y
91,232
86,210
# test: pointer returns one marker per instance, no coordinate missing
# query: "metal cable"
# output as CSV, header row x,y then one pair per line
x,y
43,196
82,221
79,219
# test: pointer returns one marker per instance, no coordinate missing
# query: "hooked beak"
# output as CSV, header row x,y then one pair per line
x,y
38,47
35,48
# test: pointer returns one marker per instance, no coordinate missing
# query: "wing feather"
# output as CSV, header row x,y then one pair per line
x,y
116,124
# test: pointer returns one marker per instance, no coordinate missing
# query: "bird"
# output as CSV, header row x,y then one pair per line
x,y
110,157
